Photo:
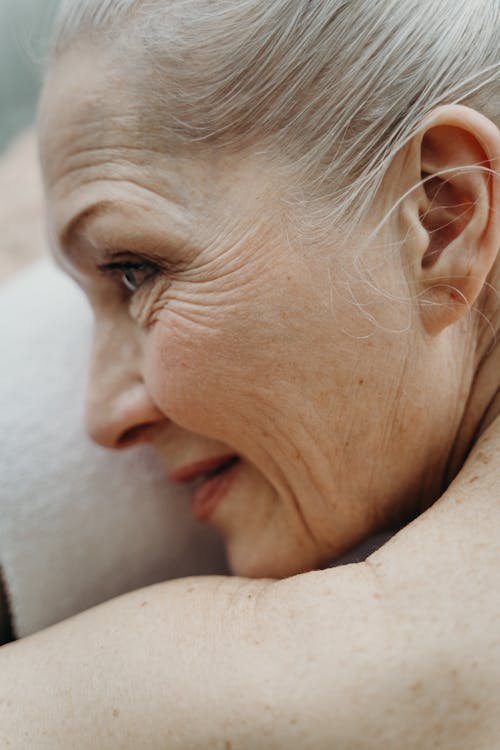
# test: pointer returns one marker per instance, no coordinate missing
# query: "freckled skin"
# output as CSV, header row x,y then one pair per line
x,y
246,348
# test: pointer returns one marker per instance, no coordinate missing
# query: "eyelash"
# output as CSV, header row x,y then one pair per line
x,y
125,270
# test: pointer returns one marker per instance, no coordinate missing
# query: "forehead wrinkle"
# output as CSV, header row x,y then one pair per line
x,y
85,129
94,144
112,166
143,191
109,154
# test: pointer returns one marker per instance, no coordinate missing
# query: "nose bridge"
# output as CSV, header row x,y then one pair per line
x,y
114,358
117,398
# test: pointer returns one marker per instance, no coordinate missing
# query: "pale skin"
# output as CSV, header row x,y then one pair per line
x,y
340,426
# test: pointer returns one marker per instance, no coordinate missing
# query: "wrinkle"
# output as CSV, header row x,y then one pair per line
x,y
286,445
197,322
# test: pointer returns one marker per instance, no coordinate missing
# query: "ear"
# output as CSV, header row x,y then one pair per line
x,y
453,217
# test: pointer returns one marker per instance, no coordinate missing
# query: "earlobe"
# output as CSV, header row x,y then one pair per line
x,y
457,212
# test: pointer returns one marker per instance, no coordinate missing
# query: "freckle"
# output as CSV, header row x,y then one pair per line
x,y
144,604
474,479
190,590
361,381
228,745
249,596
483,457
416,686
293,721
116,713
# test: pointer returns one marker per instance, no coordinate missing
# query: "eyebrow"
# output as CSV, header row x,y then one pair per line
x,y
77,224
75,227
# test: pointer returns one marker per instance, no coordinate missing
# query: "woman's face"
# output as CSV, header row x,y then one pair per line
x,y
224,331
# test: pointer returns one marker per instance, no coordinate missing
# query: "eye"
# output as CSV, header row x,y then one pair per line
x,y
131,274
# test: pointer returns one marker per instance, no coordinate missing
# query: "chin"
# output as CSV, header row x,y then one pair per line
x,y
250,561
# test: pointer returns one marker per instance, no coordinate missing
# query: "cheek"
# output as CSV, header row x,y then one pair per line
x,y
221,354
194,371
213,357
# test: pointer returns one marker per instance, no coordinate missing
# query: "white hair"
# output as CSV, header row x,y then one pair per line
x,y
338,86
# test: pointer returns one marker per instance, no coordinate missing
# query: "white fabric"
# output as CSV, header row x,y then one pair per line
x,y
78,524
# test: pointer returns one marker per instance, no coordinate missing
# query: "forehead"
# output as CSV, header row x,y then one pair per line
x,y
92,152
84,106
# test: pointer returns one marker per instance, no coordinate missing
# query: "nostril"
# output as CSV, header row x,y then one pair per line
x,y
136,434
121,414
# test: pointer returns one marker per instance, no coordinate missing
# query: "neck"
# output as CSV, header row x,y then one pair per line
x,y
483,404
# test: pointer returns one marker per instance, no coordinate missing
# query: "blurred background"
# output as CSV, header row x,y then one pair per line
x,y
24,31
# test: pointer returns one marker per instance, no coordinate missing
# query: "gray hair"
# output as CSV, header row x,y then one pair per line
x,y
339,86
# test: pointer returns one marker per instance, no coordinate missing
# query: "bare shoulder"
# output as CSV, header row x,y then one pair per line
x,y
464,522
412,634
446,562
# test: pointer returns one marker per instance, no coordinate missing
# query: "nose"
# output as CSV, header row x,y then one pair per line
x,y
119,410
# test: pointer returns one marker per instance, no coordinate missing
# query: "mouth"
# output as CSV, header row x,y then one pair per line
x,y
210,481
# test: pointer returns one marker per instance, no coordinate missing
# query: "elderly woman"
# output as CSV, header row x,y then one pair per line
x,y
286,217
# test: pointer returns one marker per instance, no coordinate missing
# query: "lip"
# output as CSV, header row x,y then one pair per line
x,y
191,471
208,495
211,490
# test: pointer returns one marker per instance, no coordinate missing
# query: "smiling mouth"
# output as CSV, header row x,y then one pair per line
x,y
218,470
210,481
203,470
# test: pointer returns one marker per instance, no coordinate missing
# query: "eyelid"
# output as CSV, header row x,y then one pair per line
x,y
120,257
120,265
